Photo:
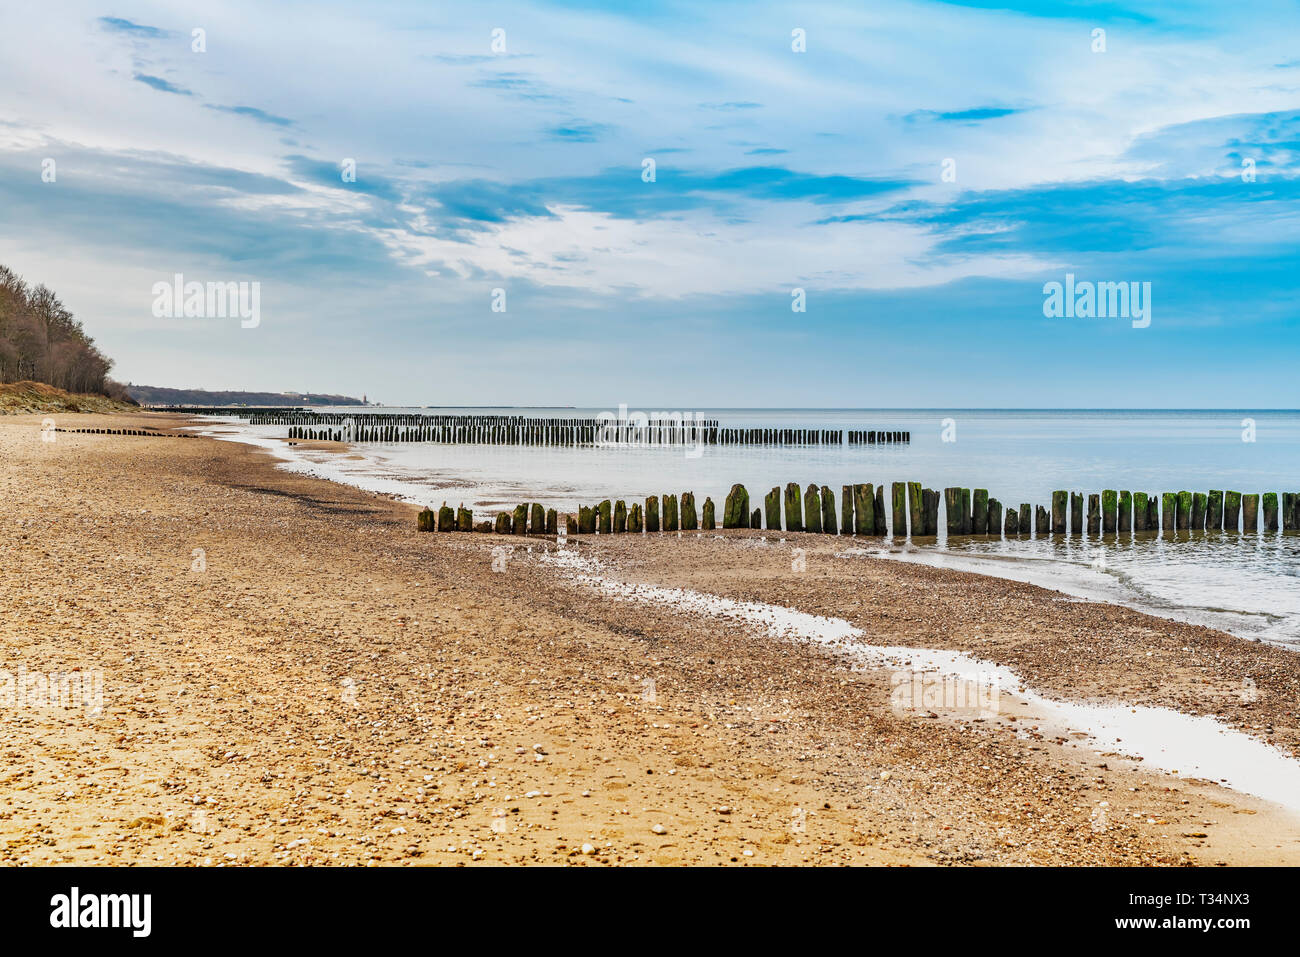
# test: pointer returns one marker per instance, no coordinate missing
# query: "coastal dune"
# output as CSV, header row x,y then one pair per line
x,y
291,674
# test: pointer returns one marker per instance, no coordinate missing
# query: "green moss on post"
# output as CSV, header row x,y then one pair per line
x,y
552,522
772,508
1270,511
464,519
570,523
735,511
1250,513
864,510
812,510
424,521
846,509
980,512
1058,512
586,520
1139,511
916,508
952,505
635,519
1076,513
1231,510
1094,514
652,513
1126,511
537,520
793,508
503,523
620,517
706,521
690,520
1200,501
828,511
1168,509
446,518
670,513
967,520
1184,514
520,526
1109,511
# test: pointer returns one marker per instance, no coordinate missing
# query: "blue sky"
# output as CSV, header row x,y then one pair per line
x,y
522,169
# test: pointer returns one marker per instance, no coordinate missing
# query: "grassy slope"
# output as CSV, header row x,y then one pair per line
x,y
17,398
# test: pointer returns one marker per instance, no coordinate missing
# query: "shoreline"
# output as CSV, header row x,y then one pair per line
x,y
324,625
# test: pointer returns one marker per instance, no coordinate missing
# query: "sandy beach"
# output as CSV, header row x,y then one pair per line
x,y
292,674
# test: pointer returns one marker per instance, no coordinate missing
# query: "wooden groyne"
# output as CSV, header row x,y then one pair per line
x,y
913,509
143,433
311,425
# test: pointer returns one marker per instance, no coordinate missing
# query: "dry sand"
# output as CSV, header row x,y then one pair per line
x,y
334,687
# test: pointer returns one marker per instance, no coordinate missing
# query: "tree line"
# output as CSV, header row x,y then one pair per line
x,y
41,341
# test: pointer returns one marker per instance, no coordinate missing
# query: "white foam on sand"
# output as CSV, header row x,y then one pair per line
x,y
1192,746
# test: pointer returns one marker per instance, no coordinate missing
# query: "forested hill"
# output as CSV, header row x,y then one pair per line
x,y
157,395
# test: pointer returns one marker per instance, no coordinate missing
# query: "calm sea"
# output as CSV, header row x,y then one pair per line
x,y
1248,584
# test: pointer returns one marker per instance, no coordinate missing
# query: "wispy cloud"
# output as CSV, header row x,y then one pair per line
x,y
163,86
119,25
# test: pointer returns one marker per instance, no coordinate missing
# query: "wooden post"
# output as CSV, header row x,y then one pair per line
x,y
882,522
1199,503
995,524
1042,521
1231,510
899,491
1109,511
670,513
1270,511
464,519
967,523
772,508
537,522
812,510
756,518
446,518
652,513
846,509
521,520
1250,513
570,523
980,513
1076,513
635,519
503,523
1214,511
1168,507
735,512
930,498
1139,511
916,508
1058,512
1094,514
552,522
1184,514
793,508
586,520
1024,520
620,517
864,510
828,511
690,520
424,521
1126,511
952,504
707,518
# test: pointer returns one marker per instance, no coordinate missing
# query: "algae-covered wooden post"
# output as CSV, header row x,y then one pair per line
x,y
1058,512
916,508
812,510
1109,511
537,522
1024,521
1231,510
1042,520
635,518
520,523
1076,513
1094,514
882,520
793,508
670,513
952,506
424,522
464,519
652,513
828,511
967,522
1200,501
864,510
994,521
1168,508
980,512
503,523
690,520
735,512
1214,511
930,500
1184,515
772,508
552,522
706,520
1125,511
846,509
586,520
1270,511
899,495
446,518
1250,513
620,517
1139,511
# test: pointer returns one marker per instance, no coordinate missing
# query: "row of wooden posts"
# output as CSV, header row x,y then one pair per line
x,y
140,432
914,510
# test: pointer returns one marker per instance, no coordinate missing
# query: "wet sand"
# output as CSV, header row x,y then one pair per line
x,y
332,687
